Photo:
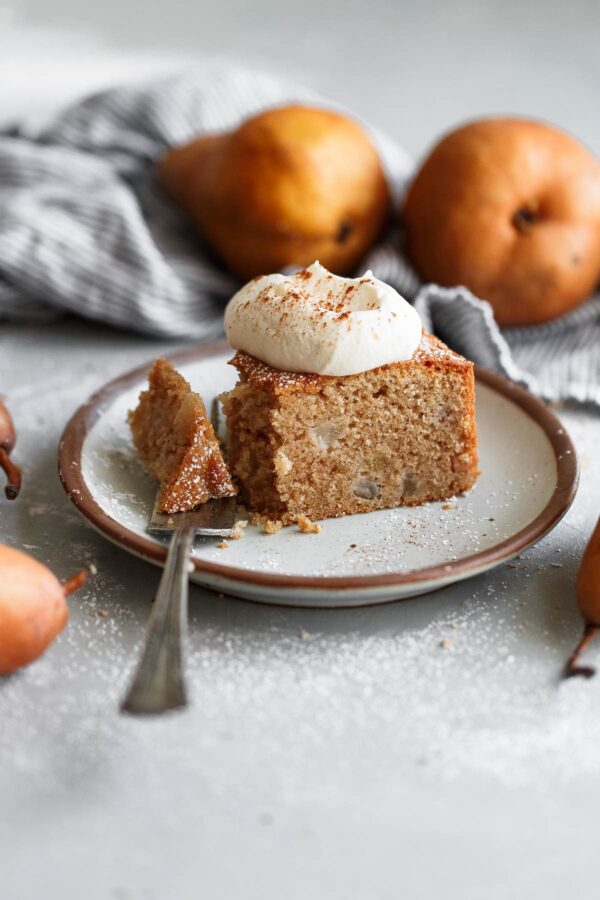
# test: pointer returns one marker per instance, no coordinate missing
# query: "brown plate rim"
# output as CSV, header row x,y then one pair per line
x,y
79,425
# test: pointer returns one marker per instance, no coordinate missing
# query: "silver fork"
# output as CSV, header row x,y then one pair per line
x,y
158,684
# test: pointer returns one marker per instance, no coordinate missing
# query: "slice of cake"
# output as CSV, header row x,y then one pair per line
x,y
319,446
177,443
318,443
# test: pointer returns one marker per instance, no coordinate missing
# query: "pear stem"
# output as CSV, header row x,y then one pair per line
x,y
78,580
572,669
13,475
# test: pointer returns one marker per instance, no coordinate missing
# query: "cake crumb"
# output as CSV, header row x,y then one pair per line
x,y
223,545
238,531
303,635
272,527
445,643
103,613
269,526
449,505
306,526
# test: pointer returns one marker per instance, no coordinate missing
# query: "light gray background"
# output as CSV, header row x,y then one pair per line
x,y
366,761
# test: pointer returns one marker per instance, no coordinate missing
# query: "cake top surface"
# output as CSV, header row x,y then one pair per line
x,y
431,352
318,322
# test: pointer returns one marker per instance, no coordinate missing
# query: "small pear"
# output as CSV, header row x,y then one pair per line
x,y
510,208
288,186
588,600
8,438
33,607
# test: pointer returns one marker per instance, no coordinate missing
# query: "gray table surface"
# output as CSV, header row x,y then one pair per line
x,y
365,760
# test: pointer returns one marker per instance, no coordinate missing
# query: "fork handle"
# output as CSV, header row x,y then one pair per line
x,y
158,684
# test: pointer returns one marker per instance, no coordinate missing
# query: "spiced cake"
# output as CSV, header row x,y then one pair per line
x,y
335,433
177,443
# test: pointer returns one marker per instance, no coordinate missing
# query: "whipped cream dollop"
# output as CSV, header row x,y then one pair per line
x,y
315,321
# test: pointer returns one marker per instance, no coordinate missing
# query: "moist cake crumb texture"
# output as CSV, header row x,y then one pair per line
x,y
305,445
177,443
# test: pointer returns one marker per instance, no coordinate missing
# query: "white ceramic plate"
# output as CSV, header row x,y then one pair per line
x,y
528,481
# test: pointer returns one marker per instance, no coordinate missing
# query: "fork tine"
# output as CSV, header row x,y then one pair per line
x,y
215,518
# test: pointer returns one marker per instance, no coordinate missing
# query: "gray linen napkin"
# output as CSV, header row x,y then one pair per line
x,y
86,229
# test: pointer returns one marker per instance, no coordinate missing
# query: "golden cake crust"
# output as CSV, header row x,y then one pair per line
x,y
431,352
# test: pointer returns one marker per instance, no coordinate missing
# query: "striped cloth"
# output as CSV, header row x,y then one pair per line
x,y
86,229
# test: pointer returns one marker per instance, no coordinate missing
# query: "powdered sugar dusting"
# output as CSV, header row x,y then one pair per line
x,y
467,683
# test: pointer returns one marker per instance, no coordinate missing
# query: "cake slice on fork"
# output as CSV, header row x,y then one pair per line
x,y
177,443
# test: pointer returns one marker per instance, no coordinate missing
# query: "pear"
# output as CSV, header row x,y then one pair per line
x,y
33,607
588,600
511,209
8,437
287,187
